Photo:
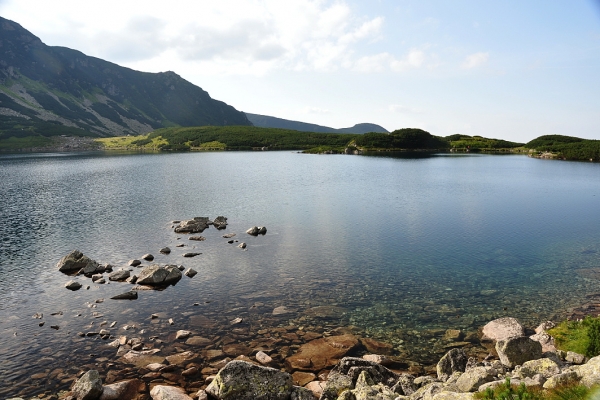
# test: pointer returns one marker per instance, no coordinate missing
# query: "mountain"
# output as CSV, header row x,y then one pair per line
x,y
49,90
264,121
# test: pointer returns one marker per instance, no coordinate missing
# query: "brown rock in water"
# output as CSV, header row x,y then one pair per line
x,y
198,341
142,358
302,378
377,347
198,238
322,353
124,390
160,392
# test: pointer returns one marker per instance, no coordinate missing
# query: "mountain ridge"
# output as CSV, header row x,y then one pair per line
x,y
266,121
51,90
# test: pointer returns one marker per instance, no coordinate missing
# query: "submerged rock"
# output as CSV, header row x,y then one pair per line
x,y
321,353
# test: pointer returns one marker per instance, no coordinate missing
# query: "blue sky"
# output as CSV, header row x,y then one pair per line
x,y
514,70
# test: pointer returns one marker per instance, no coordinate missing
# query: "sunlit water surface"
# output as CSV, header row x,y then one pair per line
x,y
395,244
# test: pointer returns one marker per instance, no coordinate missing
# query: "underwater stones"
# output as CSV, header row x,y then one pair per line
x,y
198,341
281,310
518,350
503,328
142,358
242,380
377,347
155,275
182,334
321,353
74,261
73,285
88,387
453,361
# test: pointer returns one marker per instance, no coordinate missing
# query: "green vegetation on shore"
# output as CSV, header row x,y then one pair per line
x,y
478,143
566,147
581,337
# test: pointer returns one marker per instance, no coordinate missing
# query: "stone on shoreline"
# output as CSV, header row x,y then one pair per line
x,y
161,392
502,328
321,353
518,350
242,380
88,387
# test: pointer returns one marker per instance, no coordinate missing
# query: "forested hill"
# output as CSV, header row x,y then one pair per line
x,y
48,91
265,121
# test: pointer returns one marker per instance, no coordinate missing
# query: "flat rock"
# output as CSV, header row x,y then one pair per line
x,y
196,225
142,358
182,334
302,378
242,380
119,275
124,390
321,353
190,272
198,238
189,255
198,341
131,295
160,392
503,328
377,347
281,310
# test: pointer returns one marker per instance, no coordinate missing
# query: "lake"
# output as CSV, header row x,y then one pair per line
x,y
394,247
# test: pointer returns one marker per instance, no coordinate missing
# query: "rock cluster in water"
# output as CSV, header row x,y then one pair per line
x,y
528,359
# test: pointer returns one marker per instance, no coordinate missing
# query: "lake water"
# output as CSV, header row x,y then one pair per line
x,y
398,248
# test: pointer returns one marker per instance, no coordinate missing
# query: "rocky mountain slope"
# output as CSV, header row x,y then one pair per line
x,y
48,91
265,121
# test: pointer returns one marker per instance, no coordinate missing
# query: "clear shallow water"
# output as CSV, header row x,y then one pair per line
x,y
399,245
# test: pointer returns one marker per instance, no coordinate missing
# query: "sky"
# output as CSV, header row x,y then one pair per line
x,y
510,69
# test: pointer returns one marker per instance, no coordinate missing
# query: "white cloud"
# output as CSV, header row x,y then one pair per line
x,y
229,36
315,110
475,60
414,59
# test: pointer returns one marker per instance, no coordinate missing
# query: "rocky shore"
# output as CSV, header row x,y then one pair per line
x,y
524,358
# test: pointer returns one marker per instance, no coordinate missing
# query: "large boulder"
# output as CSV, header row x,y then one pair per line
x,y
475,377
347,372
157,275
322,353
119,275
196,225
75,261
88,387
503,328
241,380
453,361
543,366
518,350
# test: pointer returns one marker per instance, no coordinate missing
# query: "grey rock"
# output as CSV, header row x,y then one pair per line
x,y
88,387
131,295
253,231
561,379
473,378
220,222
241,380
262,230
189,255
518,350
74,261
134,263
119,275
534,381
124,390
165,250
190,272
161,392
300,393
242,245
73,285
196,225
503,328
405,385
545,340
101,281
148,257
543,366
96,277
155,275
445,395
367,389
453,361
574,358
